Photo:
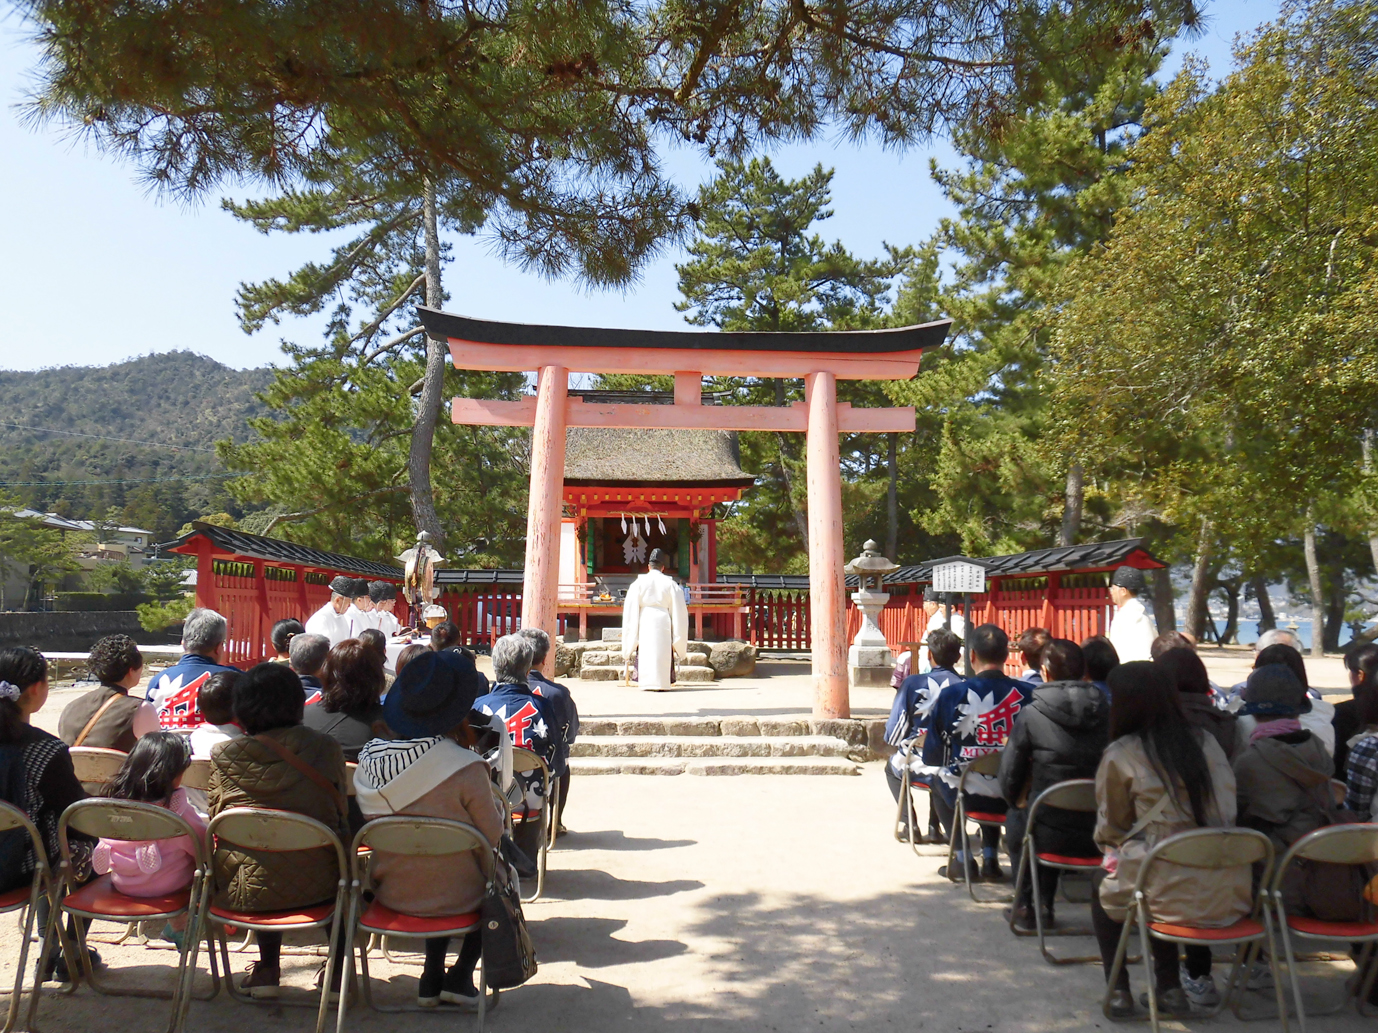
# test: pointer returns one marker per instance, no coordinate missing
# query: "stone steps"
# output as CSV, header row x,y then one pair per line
x,y
712,766
613,672
700,746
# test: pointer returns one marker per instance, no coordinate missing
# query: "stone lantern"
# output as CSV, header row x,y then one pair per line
x,y
869,661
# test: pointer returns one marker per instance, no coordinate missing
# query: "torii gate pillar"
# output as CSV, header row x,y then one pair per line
x,y
831,696
541,580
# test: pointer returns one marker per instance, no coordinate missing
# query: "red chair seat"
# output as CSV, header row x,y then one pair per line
x,y
294,916
15,898
1338,930
1241,929
1080,862
382,919
986,817
100,897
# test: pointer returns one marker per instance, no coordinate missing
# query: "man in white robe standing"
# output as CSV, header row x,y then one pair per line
x,y
1132,631
655,624
384,596
329,620
360,612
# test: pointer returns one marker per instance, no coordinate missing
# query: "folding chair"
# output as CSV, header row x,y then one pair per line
x,y
907,811
197,775
1213,850
95,765
1336,844
986,764
100,900
268,831
412,837
24,899
524,761
1078,794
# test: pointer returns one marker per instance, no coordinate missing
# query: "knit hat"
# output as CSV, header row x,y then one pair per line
x,y
341,585
1273,691
433,694
358,587
379,591
1131,578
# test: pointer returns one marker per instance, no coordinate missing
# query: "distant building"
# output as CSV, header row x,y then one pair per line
x,y
128,544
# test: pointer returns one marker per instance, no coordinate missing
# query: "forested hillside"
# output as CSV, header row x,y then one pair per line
x,y
134,439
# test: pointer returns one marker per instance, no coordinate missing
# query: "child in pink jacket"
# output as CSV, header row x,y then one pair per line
x,y
152,773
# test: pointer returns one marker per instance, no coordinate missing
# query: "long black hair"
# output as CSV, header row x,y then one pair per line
x,y
1364,660
21,666
1144,702
149,774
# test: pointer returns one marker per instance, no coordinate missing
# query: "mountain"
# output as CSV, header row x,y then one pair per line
x,y
118,426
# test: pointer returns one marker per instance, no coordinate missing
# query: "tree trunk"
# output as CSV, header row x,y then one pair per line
x,y
1164,601
1231,632
1336,594
1267,619
1071,509
1313,574
431,401
1368,468
892,499
1197,601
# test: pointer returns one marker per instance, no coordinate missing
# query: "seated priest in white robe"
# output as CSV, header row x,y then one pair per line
x,y
329,620
655,624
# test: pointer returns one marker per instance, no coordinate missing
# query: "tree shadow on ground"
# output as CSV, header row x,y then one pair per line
x,y
615,839
590,943
592,884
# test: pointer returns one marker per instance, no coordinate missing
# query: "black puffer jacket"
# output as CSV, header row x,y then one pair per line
x,y
1060,734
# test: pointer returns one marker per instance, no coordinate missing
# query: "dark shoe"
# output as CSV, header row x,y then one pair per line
x,y
560,830
334,982
428,989
1049,922
1121,1004
458,988
990,870
57,966
1173,1002
1023,918
972,873
262,982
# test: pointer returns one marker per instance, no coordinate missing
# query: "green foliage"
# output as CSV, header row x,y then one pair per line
x,y
148,425
162,579
157,617
116,577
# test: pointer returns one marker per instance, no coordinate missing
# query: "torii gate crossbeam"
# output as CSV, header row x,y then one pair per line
x,y
821,359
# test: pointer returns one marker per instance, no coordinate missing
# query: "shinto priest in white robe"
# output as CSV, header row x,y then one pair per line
x,y
655,625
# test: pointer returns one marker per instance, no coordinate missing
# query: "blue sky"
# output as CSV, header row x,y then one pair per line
x,y
94,270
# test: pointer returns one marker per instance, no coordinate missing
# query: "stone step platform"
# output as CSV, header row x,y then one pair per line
x,y
712,766
613,672
857,732
700,746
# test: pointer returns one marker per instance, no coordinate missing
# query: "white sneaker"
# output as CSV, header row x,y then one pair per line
x,y
1200,992
1260,978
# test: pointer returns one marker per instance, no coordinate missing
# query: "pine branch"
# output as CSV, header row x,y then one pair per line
x,y
399,339
372,327
303,514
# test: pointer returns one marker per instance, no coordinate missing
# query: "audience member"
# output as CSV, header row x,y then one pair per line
x,y
916,695
1317,715
1158,777
216,703
152,773
252,772
36,775
173,693
1362,664
566,713
1059,735
445,635
375,641
431,770
531,725
1271,637
410,653
1131,630
308,657
1188,675
108,716
1101,659
1361,766
281,637
1032,642
1170,640
969,719
1283,773
349,709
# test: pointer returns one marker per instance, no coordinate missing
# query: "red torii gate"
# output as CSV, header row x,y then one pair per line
x,y
821,359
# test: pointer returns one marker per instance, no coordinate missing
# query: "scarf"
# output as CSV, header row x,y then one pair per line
x,y
1275,727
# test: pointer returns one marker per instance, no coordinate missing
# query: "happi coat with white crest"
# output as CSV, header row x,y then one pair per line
x,y
655,627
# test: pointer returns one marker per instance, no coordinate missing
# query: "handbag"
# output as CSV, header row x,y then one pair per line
x,y
509,958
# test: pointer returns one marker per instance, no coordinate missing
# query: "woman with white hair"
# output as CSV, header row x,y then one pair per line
x,y
531,722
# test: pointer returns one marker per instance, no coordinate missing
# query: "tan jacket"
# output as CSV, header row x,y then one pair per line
x,y
246,773
1127,786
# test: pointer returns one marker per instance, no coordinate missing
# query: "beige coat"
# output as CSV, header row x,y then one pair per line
x,y
1127,787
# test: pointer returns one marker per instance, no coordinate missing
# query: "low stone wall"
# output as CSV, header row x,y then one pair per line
x,y
72,632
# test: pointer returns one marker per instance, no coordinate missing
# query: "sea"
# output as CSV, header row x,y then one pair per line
x,y
1248,630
